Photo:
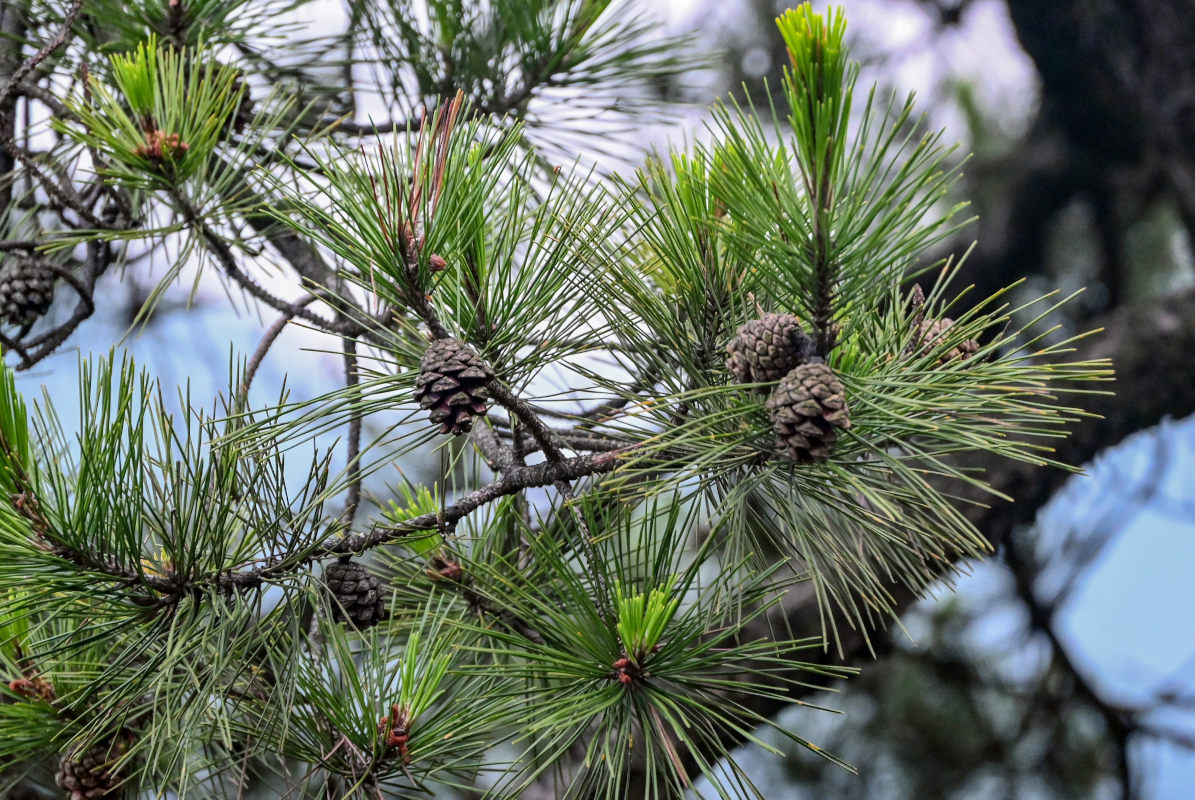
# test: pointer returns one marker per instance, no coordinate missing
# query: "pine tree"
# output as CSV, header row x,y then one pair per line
x,y
185,611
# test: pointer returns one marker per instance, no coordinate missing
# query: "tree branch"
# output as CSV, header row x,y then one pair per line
x,y
1150,346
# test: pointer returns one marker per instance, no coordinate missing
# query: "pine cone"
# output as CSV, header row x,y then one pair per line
x,y
26,291
89,775
359,596
452,383
765,349
931,332
808,408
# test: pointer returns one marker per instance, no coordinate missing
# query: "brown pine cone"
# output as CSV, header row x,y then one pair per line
x,y
765,349
26,291
931,332
453,383
358,597
90,774
808,409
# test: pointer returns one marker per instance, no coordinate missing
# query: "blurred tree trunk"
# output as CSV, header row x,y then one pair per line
x,y
1115,130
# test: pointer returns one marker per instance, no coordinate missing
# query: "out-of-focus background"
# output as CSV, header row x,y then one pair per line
x,y
1063,667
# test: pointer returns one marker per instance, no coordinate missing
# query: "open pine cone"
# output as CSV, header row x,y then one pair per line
x,y
452,383
931,332
765,349
808,409
89,774
26,291
358,596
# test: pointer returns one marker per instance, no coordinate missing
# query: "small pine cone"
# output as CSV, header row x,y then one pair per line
x,y
766,349
453,382
807,409
89,774
26,291
359,596
931,332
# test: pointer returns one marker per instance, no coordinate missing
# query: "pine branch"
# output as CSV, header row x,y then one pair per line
x,y
353,449
515,480
220,248
41,55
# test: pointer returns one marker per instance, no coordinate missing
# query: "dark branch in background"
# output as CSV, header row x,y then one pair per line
x,y
263,347
1115,132
63,193
228,261
318,276
353,448
41,55
12,34
412,125
1119,721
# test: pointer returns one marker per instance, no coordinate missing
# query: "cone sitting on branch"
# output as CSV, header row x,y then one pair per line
x,y
453,383
931,332
766,349
808,409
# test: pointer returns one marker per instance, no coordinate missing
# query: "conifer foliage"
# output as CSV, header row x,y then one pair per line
x,y
589,598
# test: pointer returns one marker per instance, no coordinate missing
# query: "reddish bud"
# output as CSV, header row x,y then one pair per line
x,y
33,689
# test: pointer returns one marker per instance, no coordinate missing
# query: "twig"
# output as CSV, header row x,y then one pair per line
x,y
543,436
572,439
352,378
62,193
263,347
410,125
228,261
41,55
169,589
65,195
1121,722
497,454
99,256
